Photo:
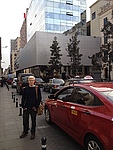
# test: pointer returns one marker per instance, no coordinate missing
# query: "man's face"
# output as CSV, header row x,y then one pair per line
x,y
31,81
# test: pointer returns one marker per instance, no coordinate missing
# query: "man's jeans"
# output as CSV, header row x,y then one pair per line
x,y
26,114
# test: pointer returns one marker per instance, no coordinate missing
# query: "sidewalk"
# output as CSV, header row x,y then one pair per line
x,y
11,125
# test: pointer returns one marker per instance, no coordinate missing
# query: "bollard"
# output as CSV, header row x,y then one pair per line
x,y
16,102
13,98
20,110
12,95
43,142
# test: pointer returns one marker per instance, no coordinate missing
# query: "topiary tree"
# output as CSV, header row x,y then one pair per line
x,y
55,58
74,54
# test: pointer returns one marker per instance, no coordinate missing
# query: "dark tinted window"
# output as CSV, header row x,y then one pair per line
x,y
93,15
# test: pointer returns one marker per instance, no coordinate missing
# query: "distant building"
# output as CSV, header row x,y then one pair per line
x,y
15,46
23,31
53,16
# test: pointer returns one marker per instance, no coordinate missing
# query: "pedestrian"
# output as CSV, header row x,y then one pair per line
x,y
30,103
2,81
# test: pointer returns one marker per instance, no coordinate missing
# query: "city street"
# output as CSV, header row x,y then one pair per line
x,y
11,128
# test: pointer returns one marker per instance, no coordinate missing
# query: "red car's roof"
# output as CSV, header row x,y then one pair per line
x,y
99,86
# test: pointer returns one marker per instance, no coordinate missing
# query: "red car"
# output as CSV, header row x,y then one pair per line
x,y
85,112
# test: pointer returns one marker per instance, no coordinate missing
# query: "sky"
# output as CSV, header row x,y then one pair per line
x,y
11,20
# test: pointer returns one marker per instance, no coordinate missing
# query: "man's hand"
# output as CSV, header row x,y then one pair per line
x,y
34,108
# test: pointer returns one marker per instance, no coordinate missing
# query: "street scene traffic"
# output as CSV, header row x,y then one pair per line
x,y
56,75
78,111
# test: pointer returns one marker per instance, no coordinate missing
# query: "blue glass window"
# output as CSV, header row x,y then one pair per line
x,y
63,28
69,7
68,27
69,18
56,16
56,27
49,15
50,4
49,26
62,16
57,21
75,7
76,18
62,6
56,5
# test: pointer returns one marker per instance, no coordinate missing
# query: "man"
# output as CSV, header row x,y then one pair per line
x,y
30,103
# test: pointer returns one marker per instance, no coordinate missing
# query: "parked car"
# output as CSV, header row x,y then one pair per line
x,y
22,81
39,82
76,80
85,112
53,85
14,83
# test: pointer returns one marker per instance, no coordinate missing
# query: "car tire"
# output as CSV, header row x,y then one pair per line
x,y
47,115
93,143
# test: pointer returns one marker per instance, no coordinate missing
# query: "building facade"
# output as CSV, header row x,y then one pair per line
x,y
101,11
39,47
53,15
15,47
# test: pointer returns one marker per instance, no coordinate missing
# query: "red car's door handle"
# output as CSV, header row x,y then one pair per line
x,y
63,106
86,112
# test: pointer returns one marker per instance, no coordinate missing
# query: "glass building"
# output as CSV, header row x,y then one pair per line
x,y
53,15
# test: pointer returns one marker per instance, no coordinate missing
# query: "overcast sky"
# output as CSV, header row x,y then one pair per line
x,y
11,19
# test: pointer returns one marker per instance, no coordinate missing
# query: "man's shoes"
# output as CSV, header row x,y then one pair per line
x,y
23,135
32,136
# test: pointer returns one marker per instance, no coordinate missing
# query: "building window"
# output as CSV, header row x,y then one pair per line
x,y
105,21
105,40
69,13
112,14
93,15
70,2
105,37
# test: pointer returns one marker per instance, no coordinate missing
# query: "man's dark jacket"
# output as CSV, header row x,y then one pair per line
x,y
29,99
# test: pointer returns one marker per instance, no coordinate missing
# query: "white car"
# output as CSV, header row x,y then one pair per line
x,y
14,83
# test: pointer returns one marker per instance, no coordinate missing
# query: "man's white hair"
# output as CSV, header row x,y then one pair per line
x,y
31,77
